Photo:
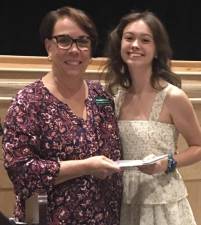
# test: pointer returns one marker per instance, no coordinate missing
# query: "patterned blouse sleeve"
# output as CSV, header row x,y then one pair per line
x,y
21,145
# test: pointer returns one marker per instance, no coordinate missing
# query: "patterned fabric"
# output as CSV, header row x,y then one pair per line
x,y
174,213
151,199
39,131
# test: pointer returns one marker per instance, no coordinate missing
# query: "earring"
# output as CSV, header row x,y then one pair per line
x,y
123,69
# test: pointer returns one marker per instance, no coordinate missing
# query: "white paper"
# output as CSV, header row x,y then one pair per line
x,y
146,161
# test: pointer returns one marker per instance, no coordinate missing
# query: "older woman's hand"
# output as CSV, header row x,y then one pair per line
x,y
102,167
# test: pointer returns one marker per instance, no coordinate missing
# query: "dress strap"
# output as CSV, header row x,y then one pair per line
x,y
118,100
158,104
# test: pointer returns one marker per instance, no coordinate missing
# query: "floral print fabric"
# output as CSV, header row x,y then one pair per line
x,y
39,131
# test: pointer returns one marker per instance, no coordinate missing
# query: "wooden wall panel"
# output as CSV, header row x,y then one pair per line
x,y
194,191
5,181
7,201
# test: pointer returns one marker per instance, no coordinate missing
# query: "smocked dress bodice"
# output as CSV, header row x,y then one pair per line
x,y
140,139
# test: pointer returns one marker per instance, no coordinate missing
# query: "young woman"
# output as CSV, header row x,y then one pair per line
x,y
152,110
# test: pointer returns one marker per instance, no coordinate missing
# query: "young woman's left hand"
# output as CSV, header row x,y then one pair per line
x,y
158,167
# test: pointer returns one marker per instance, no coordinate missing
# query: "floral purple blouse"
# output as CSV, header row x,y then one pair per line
x,y
40,130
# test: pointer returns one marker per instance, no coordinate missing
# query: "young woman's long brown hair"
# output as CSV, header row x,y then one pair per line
x,y
117,71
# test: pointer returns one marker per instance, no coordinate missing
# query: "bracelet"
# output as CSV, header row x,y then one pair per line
x,y
172,164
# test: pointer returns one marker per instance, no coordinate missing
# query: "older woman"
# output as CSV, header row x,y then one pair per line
x,y
61,134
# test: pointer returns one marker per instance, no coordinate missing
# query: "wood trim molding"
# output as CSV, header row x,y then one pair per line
x,y
41,64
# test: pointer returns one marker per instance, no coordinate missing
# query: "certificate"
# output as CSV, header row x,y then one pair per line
x,y
146,161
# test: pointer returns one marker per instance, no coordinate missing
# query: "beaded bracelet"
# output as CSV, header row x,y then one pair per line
x,y
172,164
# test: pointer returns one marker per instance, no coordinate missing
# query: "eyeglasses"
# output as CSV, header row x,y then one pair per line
x,y
65,42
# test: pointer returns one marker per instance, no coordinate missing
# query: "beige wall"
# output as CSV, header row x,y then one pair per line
x,y
15,72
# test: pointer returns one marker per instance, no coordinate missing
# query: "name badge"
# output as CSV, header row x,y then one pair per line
x,y
102,100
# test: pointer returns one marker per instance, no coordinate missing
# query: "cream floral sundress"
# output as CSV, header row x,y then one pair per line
x,y
151,199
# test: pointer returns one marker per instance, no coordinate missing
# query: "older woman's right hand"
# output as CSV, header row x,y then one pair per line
x,y
102,167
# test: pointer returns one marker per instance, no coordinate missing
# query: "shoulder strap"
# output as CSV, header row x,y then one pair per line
x,y
118,100
158,104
